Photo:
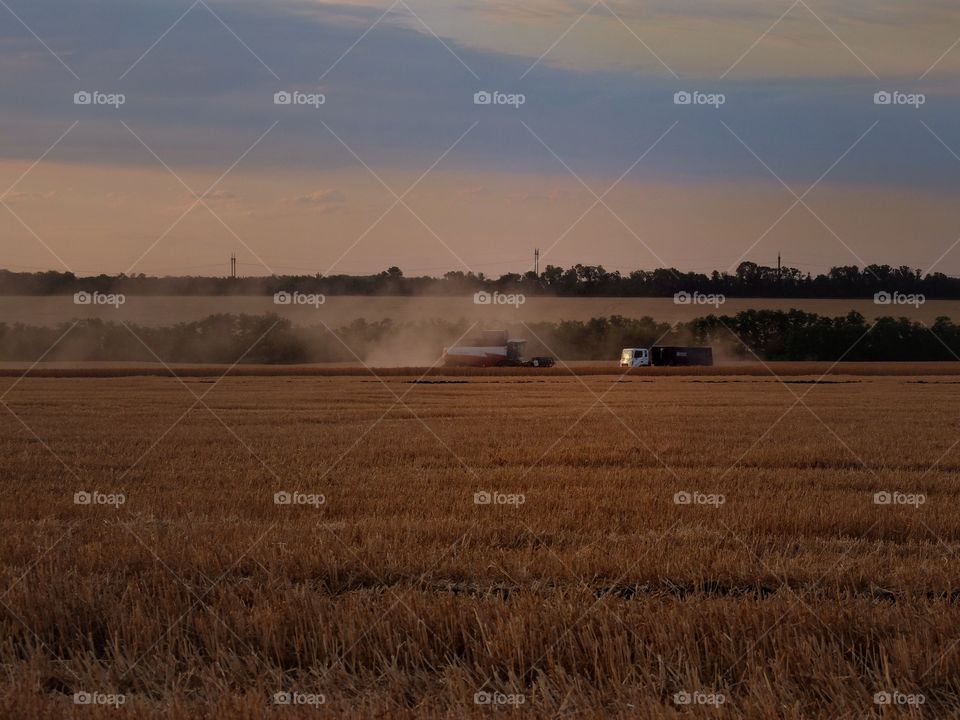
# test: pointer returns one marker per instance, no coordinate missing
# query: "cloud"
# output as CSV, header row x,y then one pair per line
x,y
220,195
324,199
399,99
564,197
17,196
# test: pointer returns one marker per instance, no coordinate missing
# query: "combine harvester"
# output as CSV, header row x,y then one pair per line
x,y
492,349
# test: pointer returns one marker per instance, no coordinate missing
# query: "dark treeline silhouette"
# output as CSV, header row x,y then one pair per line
x,y
749,280
798,335
767,334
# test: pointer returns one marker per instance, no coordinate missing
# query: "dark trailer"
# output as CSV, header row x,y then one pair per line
x,y
673,355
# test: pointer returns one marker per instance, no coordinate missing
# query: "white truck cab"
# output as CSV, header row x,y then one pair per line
x,y
634,357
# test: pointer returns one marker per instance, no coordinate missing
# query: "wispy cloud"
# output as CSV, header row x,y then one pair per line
x,y
326,200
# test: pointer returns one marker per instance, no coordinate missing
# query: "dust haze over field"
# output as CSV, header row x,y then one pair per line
x,y
342,310
424,325
749,336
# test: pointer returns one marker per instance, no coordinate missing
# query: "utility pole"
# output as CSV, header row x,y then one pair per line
x,y
778,267
536,262
233,265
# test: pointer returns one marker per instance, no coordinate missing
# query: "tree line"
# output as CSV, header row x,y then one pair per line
x,y
225,338
749,280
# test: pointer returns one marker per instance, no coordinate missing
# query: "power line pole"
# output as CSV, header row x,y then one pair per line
x,y
233,265
536,261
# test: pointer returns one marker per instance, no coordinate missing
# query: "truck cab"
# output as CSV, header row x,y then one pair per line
x,y
634,357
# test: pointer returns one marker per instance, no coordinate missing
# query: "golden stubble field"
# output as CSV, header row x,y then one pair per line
x,y
599,595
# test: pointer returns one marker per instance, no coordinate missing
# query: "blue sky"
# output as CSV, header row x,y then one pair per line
x,y
798,83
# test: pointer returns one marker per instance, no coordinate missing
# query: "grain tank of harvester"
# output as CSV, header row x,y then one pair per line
x,y
491,348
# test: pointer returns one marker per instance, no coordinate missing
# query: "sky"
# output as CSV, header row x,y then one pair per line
x,y
587,151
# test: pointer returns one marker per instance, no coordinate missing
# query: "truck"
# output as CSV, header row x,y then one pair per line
x,y
492,348
666,355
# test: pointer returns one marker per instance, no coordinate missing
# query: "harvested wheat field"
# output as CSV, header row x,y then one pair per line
x,y
541,544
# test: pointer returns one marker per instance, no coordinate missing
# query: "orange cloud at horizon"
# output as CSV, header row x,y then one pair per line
x,y
120,219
